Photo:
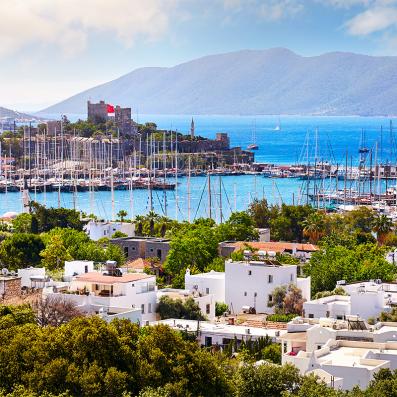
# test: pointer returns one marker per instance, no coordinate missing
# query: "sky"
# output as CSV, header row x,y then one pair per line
x,y
53,49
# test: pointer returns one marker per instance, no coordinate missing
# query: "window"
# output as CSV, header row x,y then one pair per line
x,y
133,248
255,294
292,277
104,232
249,272
207,290
245,293
285,347
270,298
86,269
143,308
270,278
311,315
126,251
151,249
96,287
208,309
149,308
159,254
339,317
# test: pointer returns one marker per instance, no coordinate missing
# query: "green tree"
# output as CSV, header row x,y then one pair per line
x,y
260,213
22,223
21,250
267,380
122,214
220,308
314,226
176,308
382,226
333,263
55,254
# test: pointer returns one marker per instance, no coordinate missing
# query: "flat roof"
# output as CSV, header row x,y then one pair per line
x,y
99,278
350,357
222,329
211,274
295,336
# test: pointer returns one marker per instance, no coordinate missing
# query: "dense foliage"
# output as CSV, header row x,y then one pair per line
x,y
176,308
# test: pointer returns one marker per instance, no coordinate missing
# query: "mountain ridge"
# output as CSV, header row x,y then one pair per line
x,y
272,81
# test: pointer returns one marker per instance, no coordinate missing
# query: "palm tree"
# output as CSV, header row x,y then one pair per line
x,y
122,214
382,226
139,219
314,226
152,217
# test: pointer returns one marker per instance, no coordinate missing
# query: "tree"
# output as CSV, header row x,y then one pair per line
x,y
333,263
122,214
21,250
278,295
287,300
22,223
314,226
382,226
267,380
55,310
293,301
118,234
55,254
50,218
176,308
260,213
272,353
239,227
220,308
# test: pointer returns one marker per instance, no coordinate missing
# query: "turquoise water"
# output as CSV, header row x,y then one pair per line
x,y
336,136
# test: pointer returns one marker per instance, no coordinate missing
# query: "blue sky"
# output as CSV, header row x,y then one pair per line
x,y
52,49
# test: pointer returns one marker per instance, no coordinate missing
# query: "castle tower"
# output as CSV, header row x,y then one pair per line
x,y
192,129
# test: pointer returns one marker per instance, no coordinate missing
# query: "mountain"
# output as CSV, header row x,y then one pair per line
x,y
274,81
13,114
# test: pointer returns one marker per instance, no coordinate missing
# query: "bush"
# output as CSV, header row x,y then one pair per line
x,y
220,308
281,318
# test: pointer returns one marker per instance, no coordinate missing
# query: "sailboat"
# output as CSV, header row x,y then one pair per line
x,y
278,126
253,145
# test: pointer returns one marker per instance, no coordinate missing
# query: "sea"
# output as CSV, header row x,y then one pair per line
x,y
280,139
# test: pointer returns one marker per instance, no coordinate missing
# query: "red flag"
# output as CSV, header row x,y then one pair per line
x,y
110,108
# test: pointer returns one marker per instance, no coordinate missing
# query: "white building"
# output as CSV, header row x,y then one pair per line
x,y
349,350
74,268
207,283
251,283
210,334
33,277
96,292
247,283
99,229
206,302
365,299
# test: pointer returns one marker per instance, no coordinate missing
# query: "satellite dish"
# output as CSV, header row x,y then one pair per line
x,y
4,271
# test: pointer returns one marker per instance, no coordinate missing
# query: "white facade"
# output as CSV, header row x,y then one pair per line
x,y
74,268
99,229
32,277
110,293
252,283
206,302
207,283
210,334
349,350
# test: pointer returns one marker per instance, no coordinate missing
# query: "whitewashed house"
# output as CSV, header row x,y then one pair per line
x,y
74,268
247,284
251,283
349,351
33,277
210,334
113,293
99,229
364,299
207,283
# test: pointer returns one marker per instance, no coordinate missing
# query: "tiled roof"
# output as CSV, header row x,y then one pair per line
x,y
279,246
99,278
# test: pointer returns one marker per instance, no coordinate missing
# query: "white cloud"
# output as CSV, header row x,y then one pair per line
x,y
68,23
373,20
273,10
